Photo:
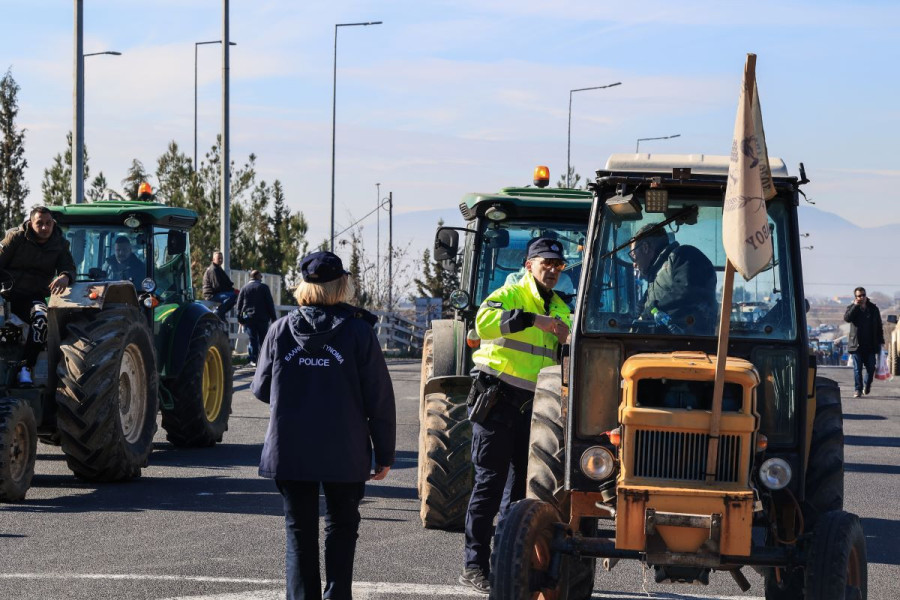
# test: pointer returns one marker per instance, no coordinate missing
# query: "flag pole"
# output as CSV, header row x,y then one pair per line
x,y
715,419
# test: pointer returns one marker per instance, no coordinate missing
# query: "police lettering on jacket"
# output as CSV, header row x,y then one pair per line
x,y
305,361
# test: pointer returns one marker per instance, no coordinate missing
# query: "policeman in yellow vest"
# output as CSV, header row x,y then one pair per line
x,y
521,326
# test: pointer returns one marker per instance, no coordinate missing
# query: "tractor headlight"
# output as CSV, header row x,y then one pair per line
x,y
775,473
148,285
598,463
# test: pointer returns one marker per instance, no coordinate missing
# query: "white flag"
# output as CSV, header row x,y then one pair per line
x,y
745,223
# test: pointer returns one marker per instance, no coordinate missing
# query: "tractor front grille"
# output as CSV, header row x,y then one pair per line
x,y
682,455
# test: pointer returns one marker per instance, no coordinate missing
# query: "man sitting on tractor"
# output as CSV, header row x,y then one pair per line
x,y
33,254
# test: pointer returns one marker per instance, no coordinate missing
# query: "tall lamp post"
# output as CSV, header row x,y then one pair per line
x,y
569,137
195,92
334,113
665,137
78,133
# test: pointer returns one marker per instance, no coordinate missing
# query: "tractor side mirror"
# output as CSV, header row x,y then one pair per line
x,y
446,244
176,243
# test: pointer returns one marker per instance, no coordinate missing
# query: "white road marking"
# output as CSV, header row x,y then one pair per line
x,y
362,590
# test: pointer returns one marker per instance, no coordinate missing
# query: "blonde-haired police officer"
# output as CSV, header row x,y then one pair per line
x,y
521,326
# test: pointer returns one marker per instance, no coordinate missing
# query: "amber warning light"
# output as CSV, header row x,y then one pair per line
x,y
541,176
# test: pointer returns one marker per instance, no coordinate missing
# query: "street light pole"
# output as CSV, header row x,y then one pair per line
x,y
665,137
334,113
569,137
195,92
225,177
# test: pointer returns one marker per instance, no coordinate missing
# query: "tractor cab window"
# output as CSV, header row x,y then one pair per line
x,y
171,271
105,253
661,273
503,252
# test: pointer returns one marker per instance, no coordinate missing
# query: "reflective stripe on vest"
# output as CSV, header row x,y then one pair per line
x,y
507,378
522,347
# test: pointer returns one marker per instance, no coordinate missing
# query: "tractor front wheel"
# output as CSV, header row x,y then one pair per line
x,y
447,475
836,567
202,391
107,395
18,448
522,555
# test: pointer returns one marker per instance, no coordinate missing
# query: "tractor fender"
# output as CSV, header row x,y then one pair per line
x,y
445,384
176,348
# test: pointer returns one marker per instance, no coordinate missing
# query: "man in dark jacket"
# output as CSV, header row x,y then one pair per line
x,y
681,281
865,340
37,257
123,264
218,287
255,311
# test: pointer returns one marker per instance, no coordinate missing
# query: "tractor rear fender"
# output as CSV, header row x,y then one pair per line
x,y
447,383
95,294
175,349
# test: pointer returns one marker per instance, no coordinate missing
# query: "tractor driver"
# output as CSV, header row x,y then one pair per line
x,y
37,257
681,280
123,264
522,326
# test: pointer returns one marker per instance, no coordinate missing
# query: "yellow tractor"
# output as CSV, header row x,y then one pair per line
x,y
619,464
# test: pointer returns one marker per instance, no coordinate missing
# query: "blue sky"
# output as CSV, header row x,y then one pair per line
x,y
449,97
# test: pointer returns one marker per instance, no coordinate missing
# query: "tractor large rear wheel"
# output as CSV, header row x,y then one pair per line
x,y
18,448
202,391
824,481
107,394
546,469
447,474
425,372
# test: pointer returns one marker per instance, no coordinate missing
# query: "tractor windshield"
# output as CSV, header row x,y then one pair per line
x,y
503,249
107,252
661,273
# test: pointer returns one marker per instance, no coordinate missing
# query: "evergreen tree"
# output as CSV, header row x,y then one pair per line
x,y
13,189
175,177
57,184
574,178
99,189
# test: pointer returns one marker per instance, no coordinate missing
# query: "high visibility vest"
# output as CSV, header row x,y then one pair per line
x,y
517,358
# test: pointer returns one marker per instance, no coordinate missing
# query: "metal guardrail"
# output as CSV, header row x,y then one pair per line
x,y
396,333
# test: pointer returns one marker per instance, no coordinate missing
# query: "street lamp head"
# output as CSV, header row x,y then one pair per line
x,y
110,52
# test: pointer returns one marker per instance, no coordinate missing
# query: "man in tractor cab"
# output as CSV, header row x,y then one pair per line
x,y
681,281
37,257
123,264
521,326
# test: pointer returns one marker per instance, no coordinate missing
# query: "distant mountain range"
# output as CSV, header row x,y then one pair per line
x,y
843,255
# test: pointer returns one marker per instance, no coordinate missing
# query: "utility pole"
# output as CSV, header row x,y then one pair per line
x,y
378,242
390,251
225,203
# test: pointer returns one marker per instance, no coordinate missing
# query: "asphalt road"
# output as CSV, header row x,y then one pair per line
x,y
201,524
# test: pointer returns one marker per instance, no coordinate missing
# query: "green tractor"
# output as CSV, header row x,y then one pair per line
x,y
119,351
499,227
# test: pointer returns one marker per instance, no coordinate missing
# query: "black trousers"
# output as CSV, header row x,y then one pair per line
x,y
301,523
500,457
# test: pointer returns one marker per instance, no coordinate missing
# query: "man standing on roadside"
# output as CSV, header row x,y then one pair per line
x,y
218,287
255,311
865,340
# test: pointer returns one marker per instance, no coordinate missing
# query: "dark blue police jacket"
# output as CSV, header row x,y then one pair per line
x,y
332,404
